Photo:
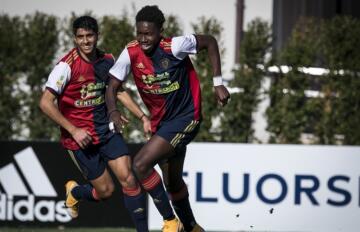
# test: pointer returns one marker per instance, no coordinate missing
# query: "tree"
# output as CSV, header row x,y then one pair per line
x,y
334,116
341,55
39,46
290,112
210,107
115,33
236,123
10,74
172,26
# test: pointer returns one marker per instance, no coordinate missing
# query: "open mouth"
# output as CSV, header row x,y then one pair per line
x,y
145,47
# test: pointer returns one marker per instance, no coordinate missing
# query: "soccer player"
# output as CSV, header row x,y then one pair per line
x,y
169,87
78,84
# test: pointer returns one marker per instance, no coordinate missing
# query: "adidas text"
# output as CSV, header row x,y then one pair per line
x,y
28,209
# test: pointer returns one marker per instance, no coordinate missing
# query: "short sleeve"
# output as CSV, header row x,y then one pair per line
x,y
121,68
59,77
182,46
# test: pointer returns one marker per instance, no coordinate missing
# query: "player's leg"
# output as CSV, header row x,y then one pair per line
x,y
172,170
185,130
93,169
134,198
144,161
116,152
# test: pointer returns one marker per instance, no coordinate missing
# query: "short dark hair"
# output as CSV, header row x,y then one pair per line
x,y
86,22
151,14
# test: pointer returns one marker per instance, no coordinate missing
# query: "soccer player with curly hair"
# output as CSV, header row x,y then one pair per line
x,y
168,85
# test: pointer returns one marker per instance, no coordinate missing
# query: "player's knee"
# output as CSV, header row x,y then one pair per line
x,y
175,186
140,167
128,180
108,193
105,191
169,185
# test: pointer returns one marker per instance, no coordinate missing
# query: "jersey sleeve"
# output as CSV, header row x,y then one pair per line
x,y
58,78
182,46
121,68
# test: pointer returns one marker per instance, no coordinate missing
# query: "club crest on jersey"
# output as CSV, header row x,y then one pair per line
x,y
164,63
140,65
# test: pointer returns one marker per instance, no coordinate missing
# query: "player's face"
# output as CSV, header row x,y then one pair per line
x,y
148,35
86,41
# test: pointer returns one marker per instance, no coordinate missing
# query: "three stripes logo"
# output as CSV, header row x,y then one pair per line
x,y
32,201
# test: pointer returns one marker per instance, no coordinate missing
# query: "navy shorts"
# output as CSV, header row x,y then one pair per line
x,y
92,160
179,132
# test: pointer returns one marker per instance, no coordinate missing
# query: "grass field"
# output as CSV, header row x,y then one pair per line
x,y
6,229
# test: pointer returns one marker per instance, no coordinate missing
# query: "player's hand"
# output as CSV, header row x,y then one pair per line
x,y
82,137
119,121
222,95
147,127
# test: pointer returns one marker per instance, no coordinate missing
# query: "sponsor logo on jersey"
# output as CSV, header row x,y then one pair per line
x,y
91,95
159,83
92,90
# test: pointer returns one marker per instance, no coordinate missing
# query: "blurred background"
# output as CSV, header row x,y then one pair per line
x,y
292,67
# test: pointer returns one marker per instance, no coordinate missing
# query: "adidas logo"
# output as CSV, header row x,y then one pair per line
x,y
81,79
140,65
139,210
18,201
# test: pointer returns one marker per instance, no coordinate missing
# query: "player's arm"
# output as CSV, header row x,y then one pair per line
x,y
110,98
47,105
118,74
209,43
124,97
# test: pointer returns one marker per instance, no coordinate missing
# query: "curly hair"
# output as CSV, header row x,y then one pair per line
x,y
151,14
86,22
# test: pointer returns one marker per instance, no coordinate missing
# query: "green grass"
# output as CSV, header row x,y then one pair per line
x,y
60,229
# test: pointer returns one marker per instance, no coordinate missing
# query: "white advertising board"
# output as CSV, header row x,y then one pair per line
x,y
246,187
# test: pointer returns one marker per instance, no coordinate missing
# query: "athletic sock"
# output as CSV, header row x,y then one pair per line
x,y
180,201
135,202
154,186
85,192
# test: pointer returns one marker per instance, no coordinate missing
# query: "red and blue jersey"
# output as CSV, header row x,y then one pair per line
x,y
166,80
80,89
